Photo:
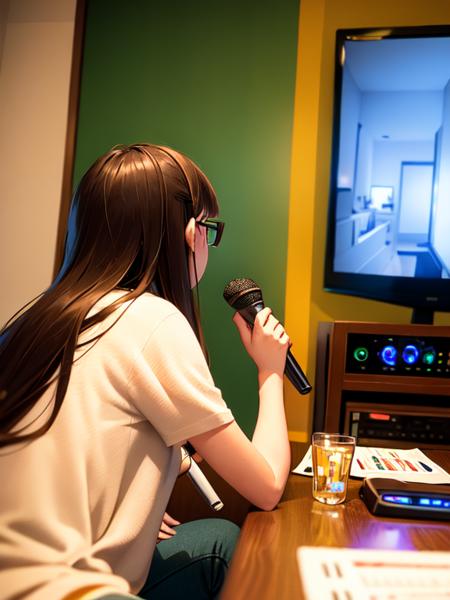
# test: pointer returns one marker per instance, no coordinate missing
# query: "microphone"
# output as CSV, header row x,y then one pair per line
x,y
199,480
203,486
245,296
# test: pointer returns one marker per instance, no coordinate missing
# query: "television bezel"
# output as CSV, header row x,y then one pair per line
x,y
424,295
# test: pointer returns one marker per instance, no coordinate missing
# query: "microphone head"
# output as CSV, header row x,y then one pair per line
x,y
242,292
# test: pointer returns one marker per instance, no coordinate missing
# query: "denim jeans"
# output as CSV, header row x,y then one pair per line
x,y
190,565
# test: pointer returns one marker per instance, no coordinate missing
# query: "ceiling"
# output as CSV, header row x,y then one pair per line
x,y
418,64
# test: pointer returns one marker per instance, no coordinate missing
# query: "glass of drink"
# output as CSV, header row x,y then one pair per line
x,y
332,455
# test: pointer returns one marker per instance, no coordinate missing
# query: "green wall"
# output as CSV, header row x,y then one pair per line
x,y
214,79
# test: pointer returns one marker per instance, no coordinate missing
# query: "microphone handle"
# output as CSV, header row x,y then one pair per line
x,y
203,486
293,370
295,375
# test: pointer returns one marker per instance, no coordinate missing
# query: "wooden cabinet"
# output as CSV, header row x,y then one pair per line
x,y
398,395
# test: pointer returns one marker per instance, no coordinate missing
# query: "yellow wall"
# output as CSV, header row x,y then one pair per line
x,y
306,301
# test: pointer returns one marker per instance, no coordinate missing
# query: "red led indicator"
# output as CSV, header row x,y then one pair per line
x,y
379,416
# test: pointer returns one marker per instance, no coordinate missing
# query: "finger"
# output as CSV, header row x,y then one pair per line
x,y
280,333
262,317
285,339
278,328
271,324
170,520
163,536
166,529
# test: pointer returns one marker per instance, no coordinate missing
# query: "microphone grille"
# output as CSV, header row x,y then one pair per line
x,y
242,292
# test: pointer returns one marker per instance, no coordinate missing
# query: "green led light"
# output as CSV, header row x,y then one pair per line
x,y
361,354
428,358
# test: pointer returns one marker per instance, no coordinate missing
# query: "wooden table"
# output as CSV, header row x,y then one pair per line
x,y
264,565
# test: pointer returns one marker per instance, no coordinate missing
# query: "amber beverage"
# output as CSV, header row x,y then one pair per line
x,y
332,456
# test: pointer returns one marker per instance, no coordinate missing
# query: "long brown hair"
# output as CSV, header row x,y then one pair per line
x,y
126,229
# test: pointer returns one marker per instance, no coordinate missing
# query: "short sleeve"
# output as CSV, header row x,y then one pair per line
x,y
172,385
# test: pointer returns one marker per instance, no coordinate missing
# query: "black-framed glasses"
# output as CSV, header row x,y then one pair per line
x,y
214,230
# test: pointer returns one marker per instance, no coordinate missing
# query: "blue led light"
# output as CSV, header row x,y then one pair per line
x,y
397,499
337,486
410,354
389,355
439,503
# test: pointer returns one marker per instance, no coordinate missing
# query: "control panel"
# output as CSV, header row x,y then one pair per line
x,y
425,356
392,425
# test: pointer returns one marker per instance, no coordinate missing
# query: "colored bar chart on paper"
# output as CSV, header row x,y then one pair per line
x,y
407,465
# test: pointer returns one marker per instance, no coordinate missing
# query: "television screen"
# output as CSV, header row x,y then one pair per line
x,y
389,219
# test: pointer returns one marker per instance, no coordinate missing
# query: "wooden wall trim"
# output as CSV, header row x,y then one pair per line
x,y
71,132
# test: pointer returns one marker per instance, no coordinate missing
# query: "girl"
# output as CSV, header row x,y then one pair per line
x,y
104,377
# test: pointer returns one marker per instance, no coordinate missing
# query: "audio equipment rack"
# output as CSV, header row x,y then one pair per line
x,y
388,385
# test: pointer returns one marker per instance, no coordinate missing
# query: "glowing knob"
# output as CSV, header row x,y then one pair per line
x,y
428,357
389,355
361,354
410,354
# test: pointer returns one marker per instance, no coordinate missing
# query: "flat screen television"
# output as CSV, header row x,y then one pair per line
x,y
388,233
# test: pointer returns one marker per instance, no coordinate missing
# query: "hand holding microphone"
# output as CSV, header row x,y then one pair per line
x,y
266,342
245,296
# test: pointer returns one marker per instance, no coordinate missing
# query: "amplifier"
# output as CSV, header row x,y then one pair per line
x,y
398,355
388,385
369,423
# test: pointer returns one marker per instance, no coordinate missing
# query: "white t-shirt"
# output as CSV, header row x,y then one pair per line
x,y
82,505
